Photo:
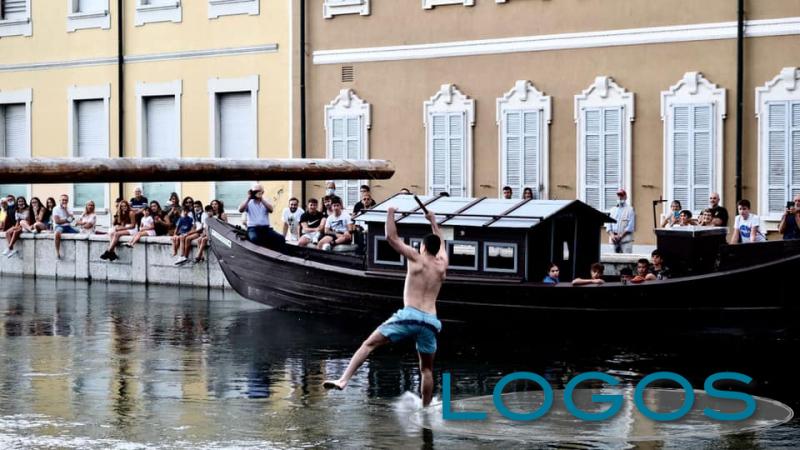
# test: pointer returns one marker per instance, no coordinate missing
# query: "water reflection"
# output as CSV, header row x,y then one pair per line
x,y
112,365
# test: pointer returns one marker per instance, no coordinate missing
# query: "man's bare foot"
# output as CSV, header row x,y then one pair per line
x,y
334,384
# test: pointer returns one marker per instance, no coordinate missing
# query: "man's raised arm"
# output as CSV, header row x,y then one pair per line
x,y
394,240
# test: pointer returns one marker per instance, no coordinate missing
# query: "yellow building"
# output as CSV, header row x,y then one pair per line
x,y
198,79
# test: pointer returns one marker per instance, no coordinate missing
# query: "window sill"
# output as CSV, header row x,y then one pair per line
x,y
358,7
91,19
171,12
15,27
218,8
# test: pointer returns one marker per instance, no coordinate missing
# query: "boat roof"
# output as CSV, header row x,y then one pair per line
x,y
474,212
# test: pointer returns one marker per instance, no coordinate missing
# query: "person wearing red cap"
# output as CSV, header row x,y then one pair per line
x,y
620,233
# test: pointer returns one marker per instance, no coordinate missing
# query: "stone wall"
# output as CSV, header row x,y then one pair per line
x,y
149,262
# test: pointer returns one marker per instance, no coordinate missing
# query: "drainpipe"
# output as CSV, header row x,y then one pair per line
x,y
303,91
120,87
739,99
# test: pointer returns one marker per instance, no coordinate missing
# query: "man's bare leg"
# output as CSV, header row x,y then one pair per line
x,y
426,377
374,341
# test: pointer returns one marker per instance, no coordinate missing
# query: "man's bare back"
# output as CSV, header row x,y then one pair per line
x,y
423,281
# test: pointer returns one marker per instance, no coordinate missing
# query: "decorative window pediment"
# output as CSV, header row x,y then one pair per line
x,y
347,122
778,112
332,8
448,118
693,111
604,112
523,115
429,4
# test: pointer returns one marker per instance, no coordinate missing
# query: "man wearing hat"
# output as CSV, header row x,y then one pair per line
x,y
620,234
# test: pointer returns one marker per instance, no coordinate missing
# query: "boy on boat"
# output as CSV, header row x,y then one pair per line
x,y
417,320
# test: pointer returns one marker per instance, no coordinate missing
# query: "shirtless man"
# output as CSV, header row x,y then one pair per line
x,y
417,320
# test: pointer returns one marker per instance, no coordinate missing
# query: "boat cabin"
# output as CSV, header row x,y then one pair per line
x,y
492,238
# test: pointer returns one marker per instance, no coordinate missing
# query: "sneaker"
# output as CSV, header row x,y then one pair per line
x,y
5,252
112,256
180,261
128,244
12,253
104,256
326,248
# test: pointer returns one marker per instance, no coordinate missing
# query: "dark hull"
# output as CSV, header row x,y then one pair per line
x,y
328,283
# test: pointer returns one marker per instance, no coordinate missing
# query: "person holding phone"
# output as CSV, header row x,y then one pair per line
x,y
790,222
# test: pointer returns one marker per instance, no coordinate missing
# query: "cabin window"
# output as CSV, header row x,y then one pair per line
x,y
416,244
500,257
385,254
463,255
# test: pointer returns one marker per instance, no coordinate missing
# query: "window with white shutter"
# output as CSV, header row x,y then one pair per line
x,y
347,122
218,8
449,118
88,135
778,106
604,113
15,18
88,14
523,115
160,141
692,111
91,143
13,141
332,8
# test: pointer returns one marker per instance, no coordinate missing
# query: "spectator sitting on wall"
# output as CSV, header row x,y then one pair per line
x,y
23,219
658,271
720,213
10,207
50,205
87,222
62,222
366,203
507,192
173,213
312,224
183,226
596,276
147,227
138,202
124,225
199,219
160,220
41,216
552,274
363,192
337,227
259,230
291,220
202,243
527,194
790,222
218,210
747,225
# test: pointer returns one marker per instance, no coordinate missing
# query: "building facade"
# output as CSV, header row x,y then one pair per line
x,y
571,98
179,78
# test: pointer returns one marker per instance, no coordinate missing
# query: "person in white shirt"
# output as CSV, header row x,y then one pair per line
x,y
62,219
147,227
337,227
291,220
620,233
259,230
88,220
746,228
200,217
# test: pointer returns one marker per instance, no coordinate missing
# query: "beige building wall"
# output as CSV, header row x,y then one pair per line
x,y
396,89
193,51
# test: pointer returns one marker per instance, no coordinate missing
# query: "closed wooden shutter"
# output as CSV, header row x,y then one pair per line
x,y
447,154
236,137
160,141
603,158
92,142
521,151
13,131
592,162
14,9
783,154
346,133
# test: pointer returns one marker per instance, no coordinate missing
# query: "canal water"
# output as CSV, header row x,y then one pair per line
x,y
127,367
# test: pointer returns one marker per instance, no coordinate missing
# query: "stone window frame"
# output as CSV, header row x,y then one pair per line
x,y
347,105
449,99
81,20
21,96
75,94
146,13
331,9
18,27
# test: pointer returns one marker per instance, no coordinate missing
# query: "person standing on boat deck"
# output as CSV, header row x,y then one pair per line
x,y
507,192
790,222
426,272
291,220
620,234
258,208
719,213
747,226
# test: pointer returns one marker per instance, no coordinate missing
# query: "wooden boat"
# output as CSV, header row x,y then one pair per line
x,y
499,252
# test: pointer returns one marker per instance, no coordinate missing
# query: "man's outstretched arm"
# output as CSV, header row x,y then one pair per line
x,y
394,239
